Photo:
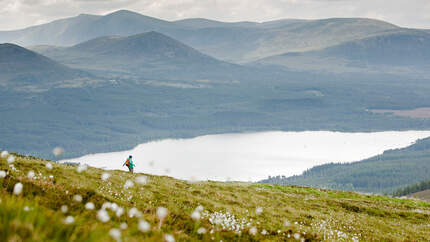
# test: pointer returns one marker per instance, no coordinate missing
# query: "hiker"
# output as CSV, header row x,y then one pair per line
x,y
129,163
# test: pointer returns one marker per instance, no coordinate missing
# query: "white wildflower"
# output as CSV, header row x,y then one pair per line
x,y
89,206
287,223
51,177
196,215
81,168
119,211
105,176
103,216
253,231
264,232
201,230
57,151
26,208
30,174
2,174
17,189
114,207
106,205
115,234
77,198
64,209
134,212
169,238
258,210
4,154
161,213
69,220
48,166
296,236
199,208
128,184
11,159
144,226
142,180
123,226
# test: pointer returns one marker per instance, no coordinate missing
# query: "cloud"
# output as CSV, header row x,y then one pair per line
x,y
412,13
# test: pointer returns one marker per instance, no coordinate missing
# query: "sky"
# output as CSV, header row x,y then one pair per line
x,y
16,14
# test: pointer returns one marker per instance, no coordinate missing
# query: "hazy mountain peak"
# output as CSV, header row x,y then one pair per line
x,y
10,52
20,66
124,12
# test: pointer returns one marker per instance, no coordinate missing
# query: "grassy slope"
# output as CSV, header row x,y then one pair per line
x,y
424,195
315,214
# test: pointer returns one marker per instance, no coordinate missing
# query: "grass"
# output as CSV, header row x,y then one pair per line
x,y
230,209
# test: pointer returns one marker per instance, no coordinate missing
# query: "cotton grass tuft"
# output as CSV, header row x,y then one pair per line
x,y
17,189
103,216
105,176
144,226
64,209
58,151
141,180
89,206
169,238
128,184
30,174
4,154
77,198
253,231
48,166
11,159
81,168
201,230
69,220
115,234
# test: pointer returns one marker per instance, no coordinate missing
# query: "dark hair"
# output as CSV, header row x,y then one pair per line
x,y
130,156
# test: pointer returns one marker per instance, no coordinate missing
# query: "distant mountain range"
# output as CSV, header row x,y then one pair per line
x,y
238,42
392,49
22,67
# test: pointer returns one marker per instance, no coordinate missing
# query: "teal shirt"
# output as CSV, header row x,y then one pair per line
x,y
130,163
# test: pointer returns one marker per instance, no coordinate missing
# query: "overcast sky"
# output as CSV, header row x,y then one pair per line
x,y
16,14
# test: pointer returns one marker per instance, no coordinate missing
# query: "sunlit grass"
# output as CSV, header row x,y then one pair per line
x,y
64,202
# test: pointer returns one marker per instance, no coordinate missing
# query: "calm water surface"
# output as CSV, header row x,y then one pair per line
x,y
252,156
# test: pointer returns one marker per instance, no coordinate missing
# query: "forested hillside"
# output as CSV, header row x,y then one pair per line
x,y
419,187
384,173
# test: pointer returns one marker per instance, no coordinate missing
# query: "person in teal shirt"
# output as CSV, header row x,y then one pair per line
x,y
129,163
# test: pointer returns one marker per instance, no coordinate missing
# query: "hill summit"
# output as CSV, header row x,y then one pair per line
x,y
19,66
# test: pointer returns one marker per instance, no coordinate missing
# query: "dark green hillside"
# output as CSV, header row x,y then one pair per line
x,y
19,66
423,186
384,173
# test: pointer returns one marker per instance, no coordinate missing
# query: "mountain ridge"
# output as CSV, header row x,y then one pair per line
x,y
237,42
